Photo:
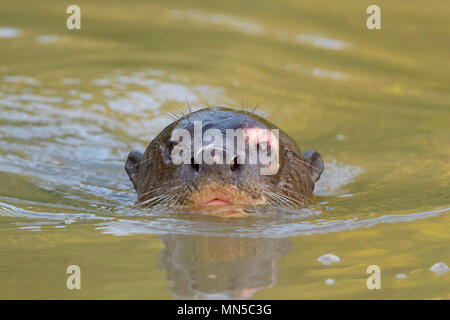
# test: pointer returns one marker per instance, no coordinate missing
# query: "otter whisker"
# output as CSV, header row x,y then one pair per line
x,y
253,204
256,106
289,191
305,163
180,196
274,196
160,188
280,198
167,200
173,115
287,198
188,105
273,200
158,198
181,113
146,202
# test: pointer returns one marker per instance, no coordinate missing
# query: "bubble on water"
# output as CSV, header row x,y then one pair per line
x,y
439,268
401,276
328,259
334,177
7,32
330,281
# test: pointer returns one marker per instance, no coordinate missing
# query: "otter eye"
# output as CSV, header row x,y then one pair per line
x,y
194,165
166,150
264,147
234,165
170,146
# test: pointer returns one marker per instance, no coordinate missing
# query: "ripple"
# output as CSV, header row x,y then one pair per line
x,y
47,38
235,22
69,143
334,75
13,211
322,42
20,79
280,226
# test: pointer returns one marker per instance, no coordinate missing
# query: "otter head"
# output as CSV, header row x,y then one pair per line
x,y
223,157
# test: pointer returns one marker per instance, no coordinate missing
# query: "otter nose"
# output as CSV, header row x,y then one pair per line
x,y
213,159
222,171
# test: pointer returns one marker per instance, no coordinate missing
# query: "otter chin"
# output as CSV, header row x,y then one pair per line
x,y
223,158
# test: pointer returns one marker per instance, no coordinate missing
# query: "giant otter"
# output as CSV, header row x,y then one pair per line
x,y
234,182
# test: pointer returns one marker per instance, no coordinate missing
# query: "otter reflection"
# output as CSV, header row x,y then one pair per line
x,y
208,267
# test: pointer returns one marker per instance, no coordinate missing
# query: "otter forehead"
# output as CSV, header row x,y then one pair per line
x,y
221,130
221,119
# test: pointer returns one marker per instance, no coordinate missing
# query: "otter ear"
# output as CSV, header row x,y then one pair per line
x,y
132,166
314,160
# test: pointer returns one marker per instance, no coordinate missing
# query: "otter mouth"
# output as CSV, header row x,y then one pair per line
x,y
213,196
217,202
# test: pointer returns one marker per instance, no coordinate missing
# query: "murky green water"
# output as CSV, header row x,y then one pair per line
x,y
376,104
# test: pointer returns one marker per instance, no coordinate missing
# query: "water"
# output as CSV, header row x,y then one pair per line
x,y
375,104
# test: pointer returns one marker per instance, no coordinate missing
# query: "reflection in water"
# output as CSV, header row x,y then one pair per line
x,y
220,267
